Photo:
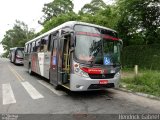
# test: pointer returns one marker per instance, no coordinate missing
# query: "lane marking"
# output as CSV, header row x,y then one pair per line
x,y
19,77
18,74
8,96
50,87
31,90
14,73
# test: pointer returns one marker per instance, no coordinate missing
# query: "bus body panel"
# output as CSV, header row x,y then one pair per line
x,y
27,60
47,59
35,63
40,63
40,60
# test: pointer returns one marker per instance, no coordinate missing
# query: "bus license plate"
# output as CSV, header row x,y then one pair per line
x,y
103,81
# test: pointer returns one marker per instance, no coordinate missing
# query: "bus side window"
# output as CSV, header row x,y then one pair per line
x,y
29,48
37,47
50,43
33,47
44,44
52,37
26,48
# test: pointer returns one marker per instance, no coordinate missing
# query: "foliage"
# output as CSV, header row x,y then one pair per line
x,y
148,82
146,56
55,21
104,17
17,36
93,7
139,21
56,8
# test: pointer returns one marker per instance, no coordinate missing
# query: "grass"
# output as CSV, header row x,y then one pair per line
x,y
148,82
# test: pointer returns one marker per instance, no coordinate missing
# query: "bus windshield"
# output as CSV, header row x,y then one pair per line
x,y
97,48
20,53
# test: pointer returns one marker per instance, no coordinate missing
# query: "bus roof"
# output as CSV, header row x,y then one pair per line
x,y
16,48
69,24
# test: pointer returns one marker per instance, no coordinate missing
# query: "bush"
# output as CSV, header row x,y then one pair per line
x,y
145,56
148,82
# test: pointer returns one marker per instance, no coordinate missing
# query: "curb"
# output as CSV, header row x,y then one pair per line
x,y
140,94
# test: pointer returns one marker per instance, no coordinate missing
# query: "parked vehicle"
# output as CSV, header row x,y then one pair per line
x,y
16,55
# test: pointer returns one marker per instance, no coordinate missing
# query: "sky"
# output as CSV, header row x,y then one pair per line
x,y
28,11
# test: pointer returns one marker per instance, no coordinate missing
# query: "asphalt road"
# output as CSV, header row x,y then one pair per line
x,y
21,93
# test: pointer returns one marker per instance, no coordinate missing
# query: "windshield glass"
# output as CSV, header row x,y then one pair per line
x,y
97,48
20,53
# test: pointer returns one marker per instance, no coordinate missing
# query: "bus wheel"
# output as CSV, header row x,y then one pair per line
x,y
30,70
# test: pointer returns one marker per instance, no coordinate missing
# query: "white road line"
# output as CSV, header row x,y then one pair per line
x,y
8,96
50,87
31,90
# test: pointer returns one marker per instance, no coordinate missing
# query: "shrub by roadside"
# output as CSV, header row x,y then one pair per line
x,y
148,82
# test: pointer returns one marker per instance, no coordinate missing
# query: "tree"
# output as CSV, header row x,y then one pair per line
x,y
139,21
17,36
105,16
56,8
93,7
55,21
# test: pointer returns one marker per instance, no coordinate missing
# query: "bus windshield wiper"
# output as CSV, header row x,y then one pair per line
x,y
91,62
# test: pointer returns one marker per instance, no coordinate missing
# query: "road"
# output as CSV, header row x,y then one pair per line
x,y
25,94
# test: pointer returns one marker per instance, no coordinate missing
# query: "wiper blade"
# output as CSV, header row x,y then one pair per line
x,y
91,63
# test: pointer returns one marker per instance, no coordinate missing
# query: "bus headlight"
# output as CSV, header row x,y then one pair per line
x,y
84,74
76,70
80,72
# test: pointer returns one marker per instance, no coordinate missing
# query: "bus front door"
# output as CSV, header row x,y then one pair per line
x,y
64,62
53,65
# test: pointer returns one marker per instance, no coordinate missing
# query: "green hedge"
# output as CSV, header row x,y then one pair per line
x,y
146,56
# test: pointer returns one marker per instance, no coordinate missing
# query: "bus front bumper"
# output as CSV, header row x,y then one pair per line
x,y
79,83
19,61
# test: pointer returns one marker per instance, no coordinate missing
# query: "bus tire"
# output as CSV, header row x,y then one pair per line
x,y
30,69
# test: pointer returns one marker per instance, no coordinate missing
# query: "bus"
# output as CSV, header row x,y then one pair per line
x,y
16,55
76,55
